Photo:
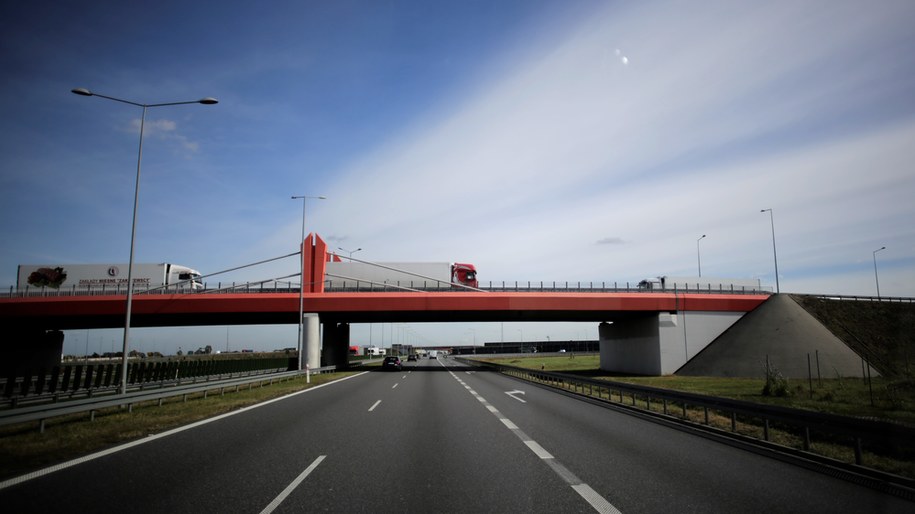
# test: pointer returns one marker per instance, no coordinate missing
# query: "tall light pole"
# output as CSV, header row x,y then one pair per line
x,y
301,348
876,279
136,196
774,253
698,255
350,252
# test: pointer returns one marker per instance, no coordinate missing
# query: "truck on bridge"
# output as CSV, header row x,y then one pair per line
x,y
665,283
363,275
107,277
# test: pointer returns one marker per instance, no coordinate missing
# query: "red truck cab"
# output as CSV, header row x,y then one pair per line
x,y
464,274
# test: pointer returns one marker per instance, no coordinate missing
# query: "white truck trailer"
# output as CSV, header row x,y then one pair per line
x,y
107,277
411,275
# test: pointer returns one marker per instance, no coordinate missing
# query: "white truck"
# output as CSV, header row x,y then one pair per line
x,y
397,275
665,283
107,277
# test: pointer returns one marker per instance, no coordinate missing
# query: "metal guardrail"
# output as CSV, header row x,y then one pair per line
x,y
46,411
809,428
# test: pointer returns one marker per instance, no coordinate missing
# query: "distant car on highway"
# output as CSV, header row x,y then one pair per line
x,y
392,363
411,358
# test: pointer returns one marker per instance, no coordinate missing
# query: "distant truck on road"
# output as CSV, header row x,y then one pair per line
x,y
665,283
107,277
413,275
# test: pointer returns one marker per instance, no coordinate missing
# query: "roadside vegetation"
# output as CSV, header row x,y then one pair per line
x,y
24,449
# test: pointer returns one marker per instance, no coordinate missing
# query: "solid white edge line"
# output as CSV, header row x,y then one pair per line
x,y
597,501
374,405
109,451
291,487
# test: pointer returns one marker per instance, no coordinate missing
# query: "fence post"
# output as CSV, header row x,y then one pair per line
x,y
809,375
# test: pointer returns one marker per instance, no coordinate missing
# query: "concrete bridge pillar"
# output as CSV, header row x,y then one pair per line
x,y
659,343
311,340
336,345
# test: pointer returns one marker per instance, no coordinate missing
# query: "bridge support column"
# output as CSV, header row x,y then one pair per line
x,y
336,345
659,344
311,340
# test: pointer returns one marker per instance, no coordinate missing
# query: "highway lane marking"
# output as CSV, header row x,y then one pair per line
x,y
538,450
513,393
508,423
374,405
291,487
109,451
394,386
595,500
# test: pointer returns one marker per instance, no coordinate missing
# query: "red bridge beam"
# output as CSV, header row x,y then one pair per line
x,y
78,312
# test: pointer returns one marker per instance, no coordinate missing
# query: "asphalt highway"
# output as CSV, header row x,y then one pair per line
x,y
435,437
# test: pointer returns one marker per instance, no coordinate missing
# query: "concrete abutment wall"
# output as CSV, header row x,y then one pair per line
x,y
660,343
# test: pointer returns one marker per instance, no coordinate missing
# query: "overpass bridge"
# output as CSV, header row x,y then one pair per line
x,y
642,332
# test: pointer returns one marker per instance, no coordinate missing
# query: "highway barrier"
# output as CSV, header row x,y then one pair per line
x,y
88,379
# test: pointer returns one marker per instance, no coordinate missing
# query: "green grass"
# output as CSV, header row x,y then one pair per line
x,y
24,449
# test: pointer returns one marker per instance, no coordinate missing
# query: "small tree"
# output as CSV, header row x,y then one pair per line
x,y
776,384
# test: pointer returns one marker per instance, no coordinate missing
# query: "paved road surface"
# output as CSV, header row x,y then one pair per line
x,y
437,437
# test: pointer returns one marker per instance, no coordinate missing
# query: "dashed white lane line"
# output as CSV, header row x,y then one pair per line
x,y
395,385
538,450
374,405
595,500
291,487
508,423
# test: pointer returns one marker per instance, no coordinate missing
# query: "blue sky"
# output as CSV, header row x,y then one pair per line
x,y
580,140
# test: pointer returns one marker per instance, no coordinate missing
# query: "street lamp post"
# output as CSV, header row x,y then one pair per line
x,y
876,279
136,196
301,348
350,252
698,255
774,253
